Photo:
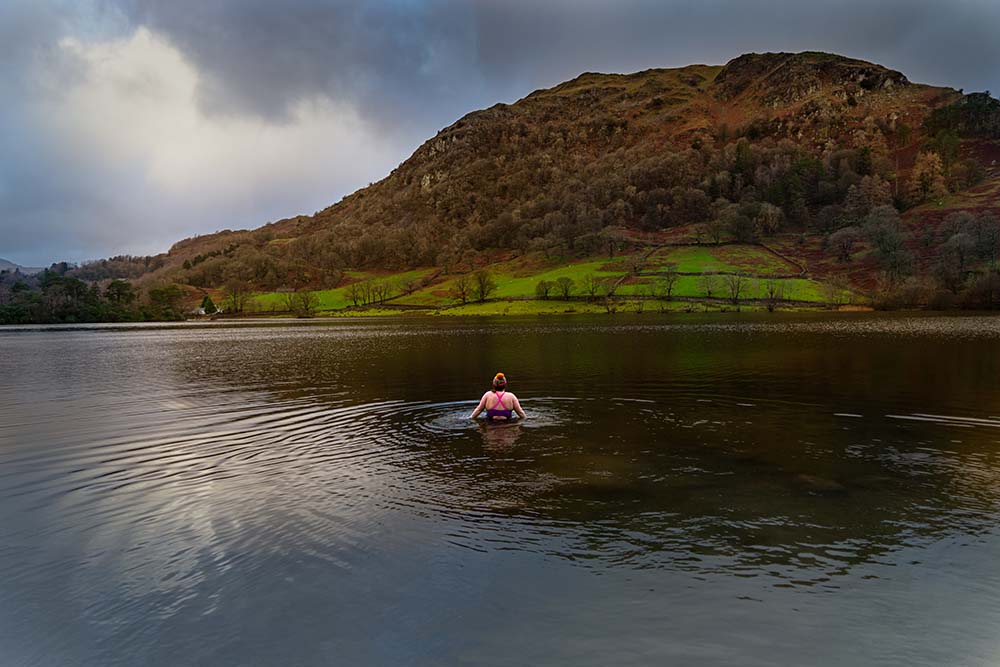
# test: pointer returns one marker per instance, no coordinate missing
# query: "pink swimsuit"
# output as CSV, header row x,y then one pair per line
x,y
498,410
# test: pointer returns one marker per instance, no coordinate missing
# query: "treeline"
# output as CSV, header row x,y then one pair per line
x,y
378,291
964,270
976,114
54,298
127,267
263,265
736,288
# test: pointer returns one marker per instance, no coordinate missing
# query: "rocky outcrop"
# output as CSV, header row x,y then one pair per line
x,y
779,79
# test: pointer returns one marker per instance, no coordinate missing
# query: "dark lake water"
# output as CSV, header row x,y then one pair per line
x,y
711,490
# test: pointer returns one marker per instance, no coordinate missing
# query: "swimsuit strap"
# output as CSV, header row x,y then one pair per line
x,y
499,399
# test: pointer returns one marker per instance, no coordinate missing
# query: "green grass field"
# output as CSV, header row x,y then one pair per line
x,y
795,289
525,285
509,283
515,282
335,299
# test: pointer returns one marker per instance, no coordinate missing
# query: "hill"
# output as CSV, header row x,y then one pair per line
x,y
803,157
7,265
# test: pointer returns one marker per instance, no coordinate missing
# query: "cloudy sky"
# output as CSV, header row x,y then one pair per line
x,y
126,125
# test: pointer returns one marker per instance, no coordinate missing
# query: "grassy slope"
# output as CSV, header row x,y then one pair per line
x,y
795,289
511,282
510,286
335,299
516,280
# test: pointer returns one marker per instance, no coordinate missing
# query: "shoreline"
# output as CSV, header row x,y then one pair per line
x,y
533,307
652,318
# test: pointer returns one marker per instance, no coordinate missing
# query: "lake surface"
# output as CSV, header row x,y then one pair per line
x,y
712,490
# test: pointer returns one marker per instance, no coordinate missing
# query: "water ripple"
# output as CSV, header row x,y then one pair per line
x,y
156,481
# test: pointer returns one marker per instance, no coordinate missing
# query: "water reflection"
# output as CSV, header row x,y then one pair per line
x,y
722,436
499,438
152,480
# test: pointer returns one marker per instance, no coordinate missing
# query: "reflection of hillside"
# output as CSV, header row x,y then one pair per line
x,y
726,453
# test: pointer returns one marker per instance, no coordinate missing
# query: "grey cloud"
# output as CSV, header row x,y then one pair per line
x,y
410,68
525,43
415,66
408,63
257,56
51,209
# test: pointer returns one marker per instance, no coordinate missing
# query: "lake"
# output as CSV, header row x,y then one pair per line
x,y
815,489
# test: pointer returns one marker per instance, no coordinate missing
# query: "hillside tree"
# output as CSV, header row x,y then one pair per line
x,y
483,284
591,285
773,293
668,280
736,284
927,180
462,288
843,241
565,286
707,281
544,288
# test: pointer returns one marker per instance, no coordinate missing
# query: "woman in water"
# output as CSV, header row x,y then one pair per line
x,y
500,404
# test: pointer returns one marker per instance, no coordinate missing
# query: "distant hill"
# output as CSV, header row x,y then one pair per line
x,y
6,265
785,149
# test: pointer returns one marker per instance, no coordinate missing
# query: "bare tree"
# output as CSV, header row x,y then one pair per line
x,y
844,292
303,303
289,300
607,286
843,241
237,295
483,284
715,229
640,304
949,270
409,285
381,291
308,302
544,288
356,293
614,238
768,220
591,285
773,292
333,278
462,287
708,283
833,292
736,284
669,280
565,286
